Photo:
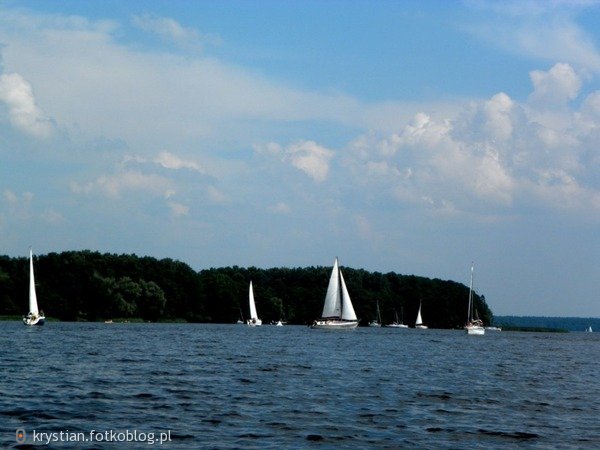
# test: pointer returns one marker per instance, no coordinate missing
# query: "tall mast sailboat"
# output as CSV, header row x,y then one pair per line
x,y
419,321
474,325
338,312
34,317
253,321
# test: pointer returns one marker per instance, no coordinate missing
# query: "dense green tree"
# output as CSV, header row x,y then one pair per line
x,y
85,285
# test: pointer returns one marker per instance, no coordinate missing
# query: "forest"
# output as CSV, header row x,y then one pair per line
x,y
91,286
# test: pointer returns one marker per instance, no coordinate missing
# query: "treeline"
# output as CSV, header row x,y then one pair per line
x,y
561,323
90,286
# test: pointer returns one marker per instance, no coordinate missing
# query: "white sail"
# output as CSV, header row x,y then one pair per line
x,y
33,306
253,314
347,308
338,312
419,320
332,306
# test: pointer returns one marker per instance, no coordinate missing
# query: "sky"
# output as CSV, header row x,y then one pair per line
x,y
410,137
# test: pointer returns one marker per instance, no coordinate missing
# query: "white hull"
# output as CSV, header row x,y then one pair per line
x,y
255,323
396,325
279,324
375,324
475,330
421,327
493,328
34,320
334,324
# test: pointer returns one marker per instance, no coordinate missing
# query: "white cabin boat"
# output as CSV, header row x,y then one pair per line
x,y
474,325
34,317
253,321
338,312
419,322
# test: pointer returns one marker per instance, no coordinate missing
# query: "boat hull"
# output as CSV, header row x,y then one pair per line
x,y
421,327
334,324
30,321
396,325
475,330
254,323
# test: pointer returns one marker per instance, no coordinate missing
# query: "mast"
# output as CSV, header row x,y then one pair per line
x,y
33,306
470,296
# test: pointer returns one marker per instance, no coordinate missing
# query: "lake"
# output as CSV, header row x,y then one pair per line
x,y
232,386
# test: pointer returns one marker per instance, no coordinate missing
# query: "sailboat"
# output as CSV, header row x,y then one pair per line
x,y
474,325
419,321
397,324
589,329
34,317
240,321
377,321
253,321
338,312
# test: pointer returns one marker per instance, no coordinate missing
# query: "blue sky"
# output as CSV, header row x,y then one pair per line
x,y
412,137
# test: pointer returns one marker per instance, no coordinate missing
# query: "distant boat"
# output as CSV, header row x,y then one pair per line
x,y
419,321
253,321
377,321
240,321
397,324
474,325
493,328
279,323
34,317
589,329
338,312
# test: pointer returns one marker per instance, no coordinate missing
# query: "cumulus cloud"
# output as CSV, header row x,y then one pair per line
x,y
555,87
23,112
310,158
307,156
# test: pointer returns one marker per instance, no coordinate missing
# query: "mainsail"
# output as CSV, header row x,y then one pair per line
x,y
33,306
332,306
253,314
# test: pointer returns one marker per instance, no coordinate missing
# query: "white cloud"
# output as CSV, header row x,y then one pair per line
x,y
170,161
115,185
280,208
23,112
10,197
179,209
498,124
171,30
216,196
310,158
544,30
555,87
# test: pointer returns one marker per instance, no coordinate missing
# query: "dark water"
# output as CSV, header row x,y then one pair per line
x,y
230,386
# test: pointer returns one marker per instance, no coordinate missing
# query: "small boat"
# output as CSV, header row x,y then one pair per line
x,y
377,321
338,312
279,323
253,321
589,329
419,321
34,317
474,325
241,321
397,324
493,328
